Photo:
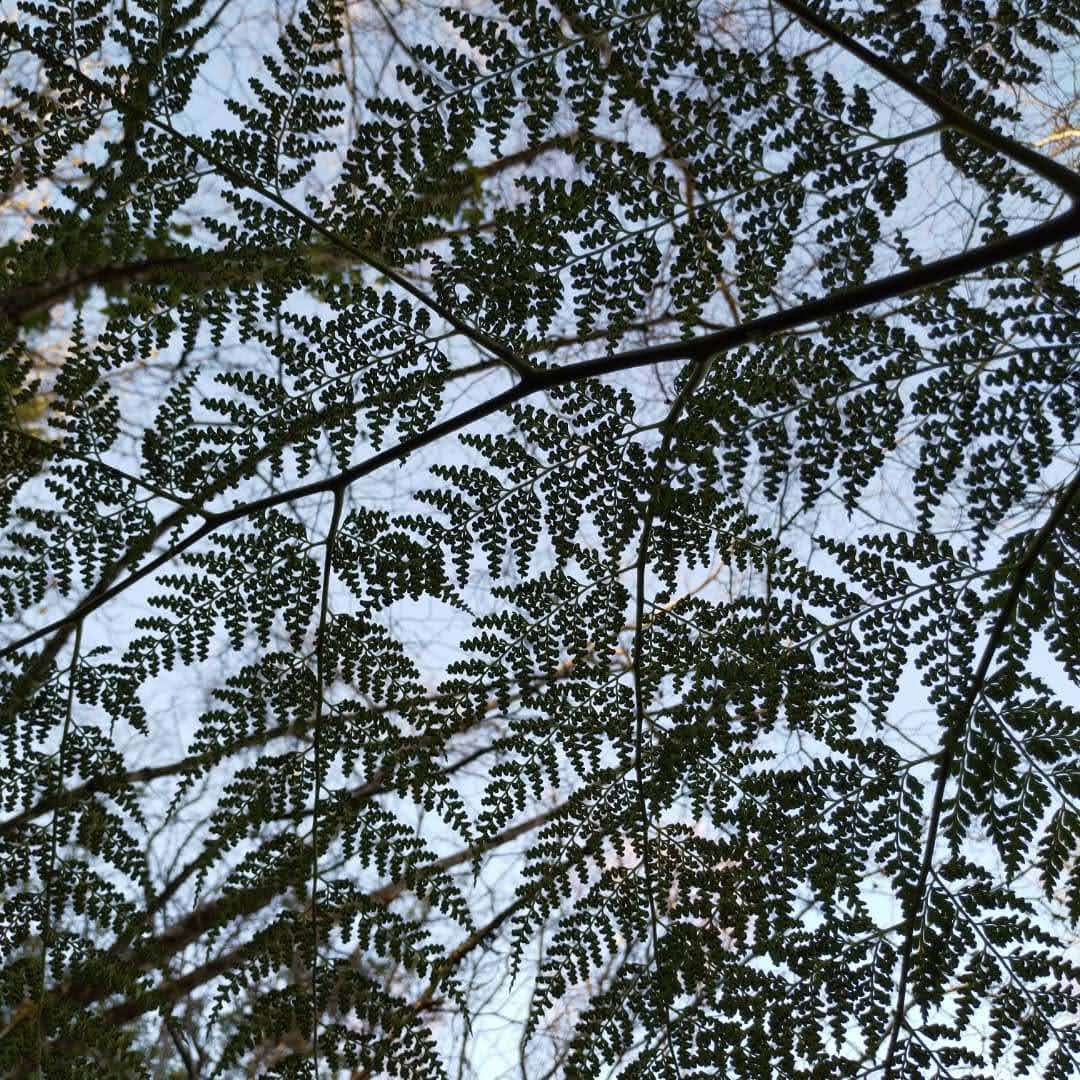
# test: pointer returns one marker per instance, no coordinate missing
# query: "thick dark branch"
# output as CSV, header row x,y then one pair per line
x,y
1061,228
1051,171
1024,243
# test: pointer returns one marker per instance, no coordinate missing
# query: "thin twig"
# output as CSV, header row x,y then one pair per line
x,y
320,679
954,732
46,922
641,628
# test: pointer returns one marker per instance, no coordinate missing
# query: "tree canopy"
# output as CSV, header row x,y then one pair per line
x,y
539,539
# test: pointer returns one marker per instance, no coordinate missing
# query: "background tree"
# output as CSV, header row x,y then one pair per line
x,y
562,515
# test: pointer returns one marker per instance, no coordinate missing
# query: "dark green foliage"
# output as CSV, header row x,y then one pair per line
x,y
656,646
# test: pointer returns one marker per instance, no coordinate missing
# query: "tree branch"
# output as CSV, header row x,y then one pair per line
x,y
1028,241
167,993
953,736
